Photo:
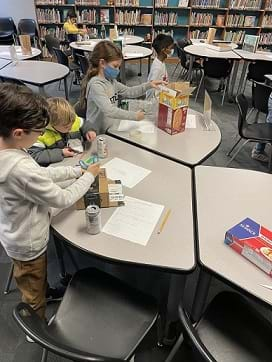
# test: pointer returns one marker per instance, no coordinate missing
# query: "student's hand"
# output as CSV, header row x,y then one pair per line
x,y
67,152
156,83
94,169
140,115
90,135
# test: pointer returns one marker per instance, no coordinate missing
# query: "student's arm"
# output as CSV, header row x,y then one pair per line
x,y
86,126
61,173
36,187
98,95
132,92
44,156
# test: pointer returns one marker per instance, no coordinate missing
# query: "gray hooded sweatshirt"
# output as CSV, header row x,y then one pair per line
x,y
27,194
102,102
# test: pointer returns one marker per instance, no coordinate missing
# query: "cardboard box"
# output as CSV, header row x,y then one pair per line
x,y
254,242
99,193
173,106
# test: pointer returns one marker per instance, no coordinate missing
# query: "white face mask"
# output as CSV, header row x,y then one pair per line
x,y
171,53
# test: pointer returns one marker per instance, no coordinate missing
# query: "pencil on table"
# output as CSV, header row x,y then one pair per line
x,y
164,221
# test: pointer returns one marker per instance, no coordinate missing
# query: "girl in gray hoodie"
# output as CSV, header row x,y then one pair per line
x,y
101,91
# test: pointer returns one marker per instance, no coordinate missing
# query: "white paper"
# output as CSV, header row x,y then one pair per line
x,y
143,126
128,173
190,121
135,221
132,55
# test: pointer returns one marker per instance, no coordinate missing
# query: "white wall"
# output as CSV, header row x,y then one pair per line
x,y
17,9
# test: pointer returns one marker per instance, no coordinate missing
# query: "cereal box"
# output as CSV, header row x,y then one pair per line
x,y
252,241
173,106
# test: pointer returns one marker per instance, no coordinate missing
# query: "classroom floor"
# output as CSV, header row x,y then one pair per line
x,y
13,346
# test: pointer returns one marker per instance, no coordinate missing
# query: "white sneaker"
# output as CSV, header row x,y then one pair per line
x,y
30,340
259,156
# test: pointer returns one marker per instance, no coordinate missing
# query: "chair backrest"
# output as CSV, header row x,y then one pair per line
x,y
182,43
217,68
7,26
51,42
243,109
258,69
182,56
83,63
28,27
61,57
260,96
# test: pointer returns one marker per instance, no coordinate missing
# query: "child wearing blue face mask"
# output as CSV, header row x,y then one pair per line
x,y
164,47
101,91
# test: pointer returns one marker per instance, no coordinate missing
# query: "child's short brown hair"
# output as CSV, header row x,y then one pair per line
x,y
61,111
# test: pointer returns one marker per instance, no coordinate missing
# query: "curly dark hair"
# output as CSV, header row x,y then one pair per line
x,y
21,108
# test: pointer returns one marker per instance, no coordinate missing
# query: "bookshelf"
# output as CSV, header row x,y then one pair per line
x,y
180,18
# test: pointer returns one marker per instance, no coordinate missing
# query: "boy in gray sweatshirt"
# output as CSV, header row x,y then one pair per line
x,y
28,192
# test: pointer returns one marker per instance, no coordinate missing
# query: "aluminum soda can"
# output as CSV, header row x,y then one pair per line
x,y
102,147
93,219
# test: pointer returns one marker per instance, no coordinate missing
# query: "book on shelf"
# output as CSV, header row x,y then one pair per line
x,y
265,38
50,2
183,3
105,16
87,2
161,3
205,3
246,4
127,3
267,20
146,19
48,16
235,36
268,5
128,17
238,20
165,18
250,21
198,34
56,32
250,43
220,20
87,16
201,19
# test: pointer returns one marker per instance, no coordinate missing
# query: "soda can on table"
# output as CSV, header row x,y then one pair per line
x,y
102,147
93,219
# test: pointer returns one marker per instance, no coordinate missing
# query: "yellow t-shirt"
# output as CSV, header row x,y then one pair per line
x,y
71,28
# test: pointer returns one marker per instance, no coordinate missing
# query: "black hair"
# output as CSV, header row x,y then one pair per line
x,y
161,42
71,14
21,108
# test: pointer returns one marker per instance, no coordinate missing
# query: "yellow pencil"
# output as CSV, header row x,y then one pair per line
x,y
164,221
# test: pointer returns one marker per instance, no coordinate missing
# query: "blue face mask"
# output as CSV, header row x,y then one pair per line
x,y
111,73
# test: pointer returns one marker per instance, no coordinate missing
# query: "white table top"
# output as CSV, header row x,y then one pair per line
x,y
88,45
4,63
189,147
201,50
226,196
5,54
258,55
174,247
35,72
202,42
129,51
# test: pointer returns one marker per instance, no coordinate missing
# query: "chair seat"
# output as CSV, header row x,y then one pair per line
x,y
232,330
258,132
101,315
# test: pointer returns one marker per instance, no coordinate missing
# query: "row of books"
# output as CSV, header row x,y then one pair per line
x,y
163,31
235,36
87,2
201,18
48,16
128,17
127,3
266,38
267,20
56,32
198,34
87,16
241,20
161,3
268,5
206,3
50,2
246,4
165,18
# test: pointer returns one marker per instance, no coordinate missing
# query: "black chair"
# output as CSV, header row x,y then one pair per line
x,y
184,61
29,27
100,318
257,71
256,132
8,31
83,63
231,329
260,96
9,279
63,59
217,69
